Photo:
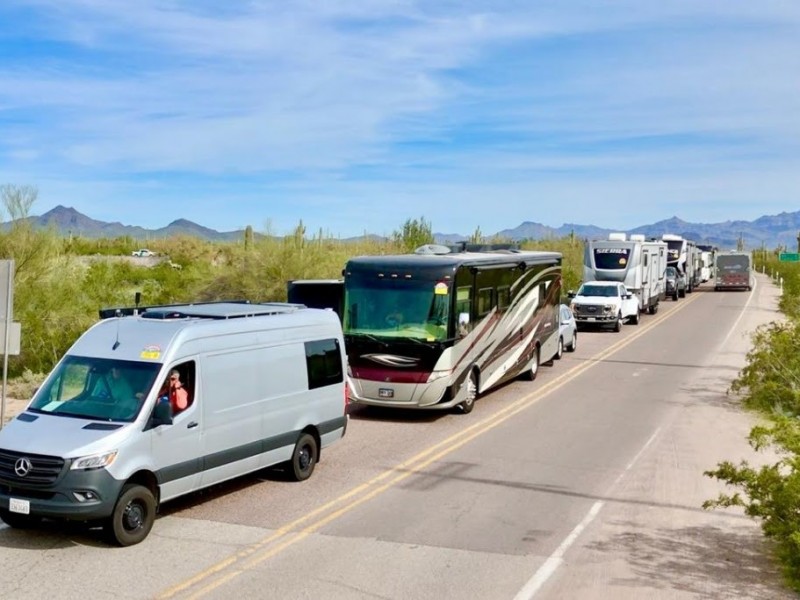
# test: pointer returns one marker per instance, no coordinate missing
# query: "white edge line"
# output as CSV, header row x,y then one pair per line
x,y
744,309
554,561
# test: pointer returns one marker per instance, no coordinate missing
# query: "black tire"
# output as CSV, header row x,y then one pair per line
x,y
675,297
19,521
682,293
533,369
618,324
133,516
560,351
472,393
635,318
304,457
574,345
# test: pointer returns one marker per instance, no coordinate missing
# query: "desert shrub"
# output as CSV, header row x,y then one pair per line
x,y
770,384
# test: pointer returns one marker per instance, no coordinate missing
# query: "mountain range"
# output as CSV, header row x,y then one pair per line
x,y
770,230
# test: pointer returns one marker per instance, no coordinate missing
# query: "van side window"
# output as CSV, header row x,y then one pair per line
x,y
186,380
323,363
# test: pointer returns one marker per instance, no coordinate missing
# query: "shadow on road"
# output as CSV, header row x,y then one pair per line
x,y
703,560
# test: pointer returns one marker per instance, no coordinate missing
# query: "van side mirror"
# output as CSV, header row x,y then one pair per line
x,y
162,414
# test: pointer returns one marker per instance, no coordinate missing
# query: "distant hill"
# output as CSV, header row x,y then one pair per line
x,y
68,221
770,230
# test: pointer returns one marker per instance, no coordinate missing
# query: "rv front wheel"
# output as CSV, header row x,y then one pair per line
x,y
471,393
304,457
133,516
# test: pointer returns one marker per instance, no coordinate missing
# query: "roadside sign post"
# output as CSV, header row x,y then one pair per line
x,y
10,330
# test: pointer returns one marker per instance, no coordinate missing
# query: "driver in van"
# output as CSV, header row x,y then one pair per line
x,y
173,390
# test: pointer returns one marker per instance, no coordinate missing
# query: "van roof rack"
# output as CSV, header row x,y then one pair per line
x,y
228,309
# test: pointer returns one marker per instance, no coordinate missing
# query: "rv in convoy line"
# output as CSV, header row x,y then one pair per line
x,y
733,271
637,263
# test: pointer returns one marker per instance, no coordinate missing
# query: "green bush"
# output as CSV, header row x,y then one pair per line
x,y
770,384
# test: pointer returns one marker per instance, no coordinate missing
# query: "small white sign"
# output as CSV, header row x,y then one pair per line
x,y
22,507
13,338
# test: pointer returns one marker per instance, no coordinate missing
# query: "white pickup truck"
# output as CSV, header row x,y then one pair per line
x,y
143,252
604,303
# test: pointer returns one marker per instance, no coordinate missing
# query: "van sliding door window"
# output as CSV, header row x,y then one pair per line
x,y
323,363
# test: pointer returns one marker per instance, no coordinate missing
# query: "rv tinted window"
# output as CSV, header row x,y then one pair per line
x,y
484,301
503,296
611,258
324,363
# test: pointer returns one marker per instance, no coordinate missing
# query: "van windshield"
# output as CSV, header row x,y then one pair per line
x,y
99,389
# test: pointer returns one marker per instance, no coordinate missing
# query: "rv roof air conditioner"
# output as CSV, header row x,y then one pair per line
x,y
637,237
616,237
432,249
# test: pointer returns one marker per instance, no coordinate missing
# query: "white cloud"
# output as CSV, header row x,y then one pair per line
x,y
419,108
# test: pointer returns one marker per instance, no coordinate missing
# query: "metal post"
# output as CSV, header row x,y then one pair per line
x,y
9,288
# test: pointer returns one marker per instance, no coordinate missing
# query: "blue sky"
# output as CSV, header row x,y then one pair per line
x,y
355,115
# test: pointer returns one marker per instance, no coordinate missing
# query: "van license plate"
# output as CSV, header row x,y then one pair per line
x,y
22,507
385,393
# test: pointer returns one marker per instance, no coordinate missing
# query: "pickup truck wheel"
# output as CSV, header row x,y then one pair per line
x,y
635,318
618,324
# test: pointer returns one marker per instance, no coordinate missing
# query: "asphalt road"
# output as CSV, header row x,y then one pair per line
x,y
586,483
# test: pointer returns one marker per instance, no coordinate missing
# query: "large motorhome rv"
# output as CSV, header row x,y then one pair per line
x,y
683,255
637,263
733,271
434,329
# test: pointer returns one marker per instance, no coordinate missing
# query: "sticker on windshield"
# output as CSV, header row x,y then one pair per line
x,y
440,289
151,352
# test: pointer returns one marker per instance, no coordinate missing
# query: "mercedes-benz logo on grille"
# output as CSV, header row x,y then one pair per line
x,y
22,467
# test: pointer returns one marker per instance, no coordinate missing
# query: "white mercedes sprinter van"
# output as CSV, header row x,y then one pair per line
x,y
100,441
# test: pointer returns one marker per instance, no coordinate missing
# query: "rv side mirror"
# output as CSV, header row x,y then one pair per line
x,y
162,415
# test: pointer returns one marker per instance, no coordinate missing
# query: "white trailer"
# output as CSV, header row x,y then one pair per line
x,y
639,264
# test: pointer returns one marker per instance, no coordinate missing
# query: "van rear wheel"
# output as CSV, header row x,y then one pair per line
x,y
304,457
133,516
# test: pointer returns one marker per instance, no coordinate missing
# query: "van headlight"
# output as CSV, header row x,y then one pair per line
x,y
94,461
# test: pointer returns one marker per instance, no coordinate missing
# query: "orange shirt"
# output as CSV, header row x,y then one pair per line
x,y
178,398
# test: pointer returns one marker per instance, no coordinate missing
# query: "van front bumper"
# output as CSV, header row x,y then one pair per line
x,y
76,495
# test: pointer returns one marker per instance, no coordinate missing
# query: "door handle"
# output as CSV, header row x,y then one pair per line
x,y
192,425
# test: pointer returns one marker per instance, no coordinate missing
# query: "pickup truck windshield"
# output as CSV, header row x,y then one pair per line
x,y
606,291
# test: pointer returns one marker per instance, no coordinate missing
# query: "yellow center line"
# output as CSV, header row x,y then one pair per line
x,y
257,553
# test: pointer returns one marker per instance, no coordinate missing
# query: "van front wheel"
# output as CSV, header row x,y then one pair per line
x,y
304,457
17,520
133,516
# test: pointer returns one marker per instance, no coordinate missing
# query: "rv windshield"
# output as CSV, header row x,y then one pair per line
x,y
611,258
397,308
606,291
96,388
